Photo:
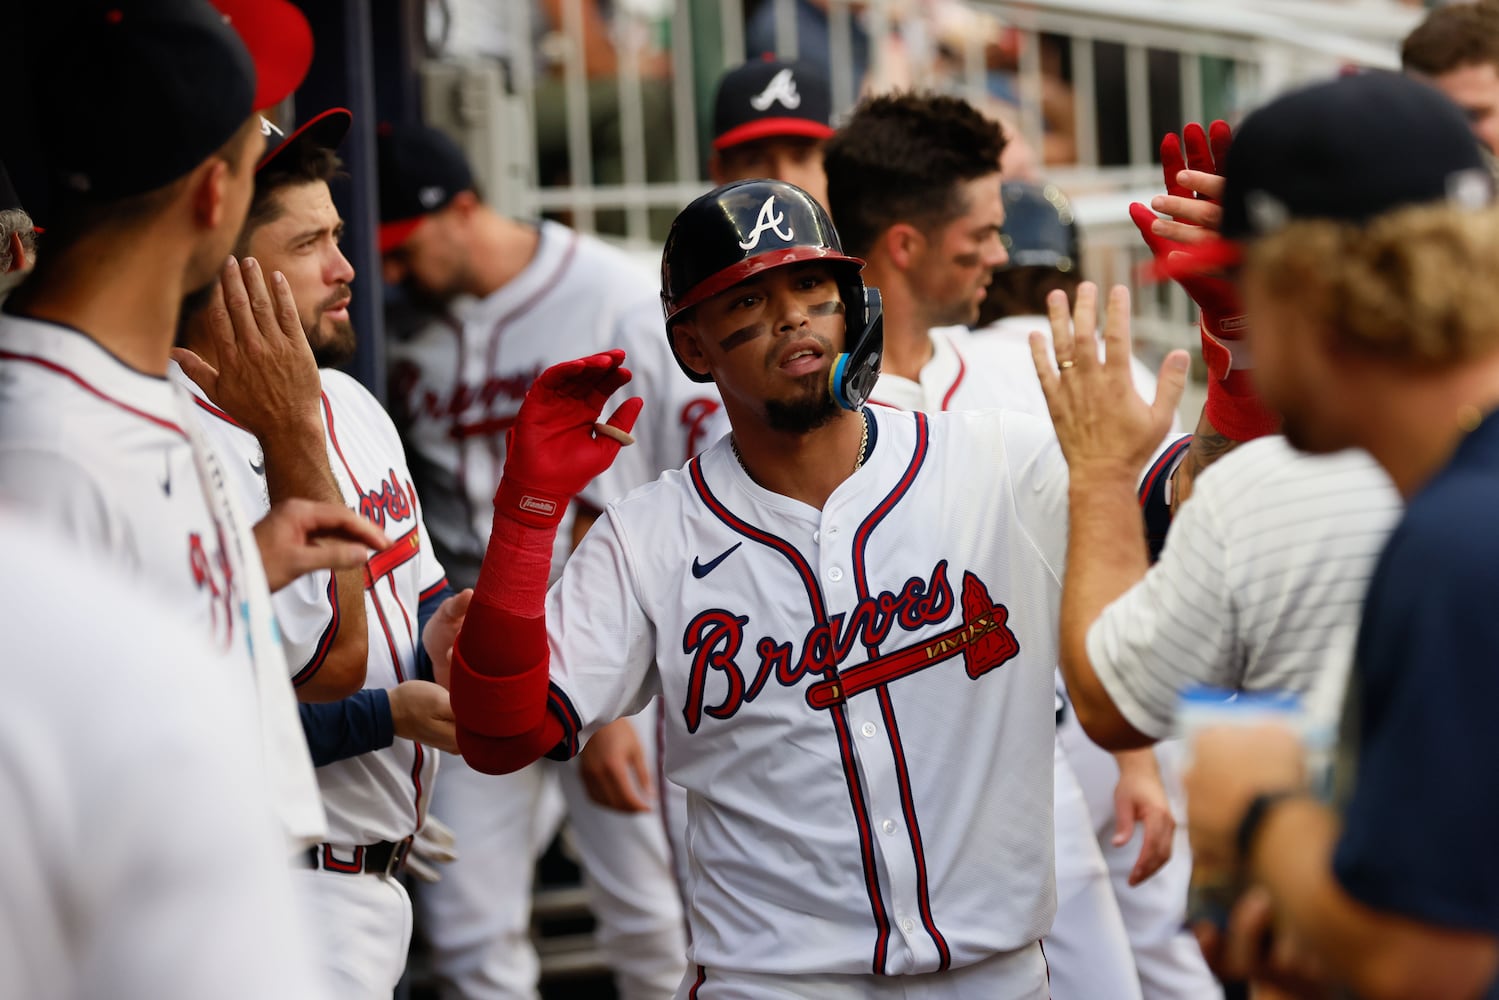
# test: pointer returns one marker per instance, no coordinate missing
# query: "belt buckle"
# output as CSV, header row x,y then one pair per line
x,y
398,855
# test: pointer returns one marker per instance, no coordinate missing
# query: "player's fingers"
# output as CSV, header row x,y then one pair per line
x,y
1046,370
285,307
1220,137
204,375
1170,384
339,523
1195,144
262,306
1124,826
220,325
237,304
1116,336
456,607
1176,235
644,780
624,417
1245,938
1061,325
1187,211
1144,220
1204,185
1085,327
1172,163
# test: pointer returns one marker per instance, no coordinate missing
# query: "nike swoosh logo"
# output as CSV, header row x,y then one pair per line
x,y
702,569
259,470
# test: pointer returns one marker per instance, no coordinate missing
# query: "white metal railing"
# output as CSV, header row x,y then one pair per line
x,y
1217,57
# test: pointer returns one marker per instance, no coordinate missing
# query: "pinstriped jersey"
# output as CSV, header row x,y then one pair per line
x,y
457,380
381,795
104,453
858,700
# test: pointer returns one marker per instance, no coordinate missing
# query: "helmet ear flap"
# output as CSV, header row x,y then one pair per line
x,y
855,372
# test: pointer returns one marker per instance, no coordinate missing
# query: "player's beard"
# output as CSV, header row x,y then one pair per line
x,y
332,341
811,410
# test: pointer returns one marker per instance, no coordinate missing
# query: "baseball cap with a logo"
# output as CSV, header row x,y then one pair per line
x,y
421,171
767,98
112,63
321,131
1347,150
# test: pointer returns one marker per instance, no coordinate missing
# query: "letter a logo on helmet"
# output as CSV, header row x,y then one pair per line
x,y
769,219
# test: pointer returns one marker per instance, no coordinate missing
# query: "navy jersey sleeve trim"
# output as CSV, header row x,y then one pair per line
x,y
338,730
1155,505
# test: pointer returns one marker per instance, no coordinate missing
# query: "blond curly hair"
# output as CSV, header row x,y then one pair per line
x,y
1419,286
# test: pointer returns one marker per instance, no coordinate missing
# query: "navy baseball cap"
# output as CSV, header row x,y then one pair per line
x,y
1347,150
421,171
321,131
111,63
768,97
1039,229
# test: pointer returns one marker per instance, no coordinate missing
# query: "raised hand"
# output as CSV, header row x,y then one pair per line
x,y
300,536
266,377
557,444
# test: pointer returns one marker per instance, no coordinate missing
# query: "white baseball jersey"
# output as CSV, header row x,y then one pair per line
x,y
145,862
381,795
111,456
858,699
457,381
1259,587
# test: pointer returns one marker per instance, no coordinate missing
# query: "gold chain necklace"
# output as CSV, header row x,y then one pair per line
x,y
859,464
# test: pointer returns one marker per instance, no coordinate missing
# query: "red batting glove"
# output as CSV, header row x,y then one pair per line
x,y
553,449
1233,408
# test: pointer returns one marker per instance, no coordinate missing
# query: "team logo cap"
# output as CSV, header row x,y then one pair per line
x,y
322,131
767,98
98,67
421,170
1347,150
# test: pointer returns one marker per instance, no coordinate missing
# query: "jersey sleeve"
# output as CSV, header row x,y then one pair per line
x,y
1418,833
1038,477
603,645
1175,628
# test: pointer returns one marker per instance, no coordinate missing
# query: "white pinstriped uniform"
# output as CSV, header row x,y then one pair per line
x,y
458,382
1259,588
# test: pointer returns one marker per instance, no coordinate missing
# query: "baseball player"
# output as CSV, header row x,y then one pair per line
x,y
375,800
1456,50
860,694
1368,294
17,236
770,119
927,261
93,437
503,300
1042,243
124,891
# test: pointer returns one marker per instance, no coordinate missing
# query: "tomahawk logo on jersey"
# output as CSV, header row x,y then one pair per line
x,y
892,669
379,796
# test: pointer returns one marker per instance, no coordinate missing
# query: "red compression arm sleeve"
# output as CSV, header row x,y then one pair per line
x,y
501,660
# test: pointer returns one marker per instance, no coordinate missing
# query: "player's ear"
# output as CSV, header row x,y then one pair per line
x,y
902,244
688,343
207,190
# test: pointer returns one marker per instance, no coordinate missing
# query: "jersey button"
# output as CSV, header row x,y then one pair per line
x,y
908,925
888,826
867,729
835,574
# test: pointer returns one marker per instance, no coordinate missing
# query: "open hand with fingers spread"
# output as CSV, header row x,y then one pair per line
x,y
1102,424
299,536
264,374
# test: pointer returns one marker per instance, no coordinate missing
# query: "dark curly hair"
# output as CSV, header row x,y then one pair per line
x,y
313,163
900,158
1451,37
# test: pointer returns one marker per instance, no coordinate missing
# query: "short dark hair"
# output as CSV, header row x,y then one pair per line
x,y
1451,37
1022,291
899,158
311,164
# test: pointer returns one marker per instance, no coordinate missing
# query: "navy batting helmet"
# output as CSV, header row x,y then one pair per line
x,y
1039,229
748,227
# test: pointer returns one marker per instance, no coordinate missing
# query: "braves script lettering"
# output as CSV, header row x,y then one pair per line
x,y
388,501
215,575
769,219
715,637
469,409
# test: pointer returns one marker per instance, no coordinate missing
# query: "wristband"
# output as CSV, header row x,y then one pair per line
x,y
1254,818
536,508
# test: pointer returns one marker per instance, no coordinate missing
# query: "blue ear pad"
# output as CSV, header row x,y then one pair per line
x,y
835,383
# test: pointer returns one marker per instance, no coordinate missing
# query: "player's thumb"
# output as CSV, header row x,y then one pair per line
x,y
201,372
643,777
1124,824
1170,384
1143,218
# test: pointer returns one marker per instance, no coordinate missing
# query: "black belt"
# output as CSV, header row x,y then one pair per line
x,y
384,858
